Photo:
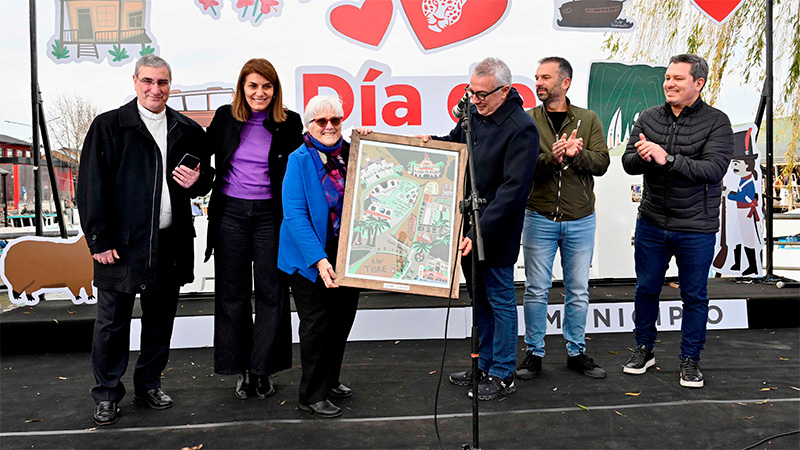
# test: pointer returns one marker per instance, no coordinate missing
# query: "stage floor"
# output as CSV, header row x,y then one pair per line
x,y
751,393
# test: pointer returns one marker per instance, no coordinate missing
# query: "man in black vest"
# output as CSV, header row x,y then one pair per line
x,y
683,149
134,204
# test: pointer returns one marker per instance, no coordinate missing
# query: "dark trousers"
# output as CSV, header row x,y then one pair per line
x,y
246,246
112,329
653,248
326,317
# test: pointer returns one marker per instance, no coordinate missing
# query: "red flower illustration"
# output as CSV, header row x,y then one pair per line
x,y
243,3
267,5
208,3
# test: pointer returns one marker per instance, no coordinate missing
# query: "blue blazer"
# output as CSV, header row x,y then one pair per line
x,y
304,230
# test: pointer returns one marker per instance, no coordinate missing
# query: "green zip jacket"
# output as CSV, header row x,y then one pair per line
x,y
565,191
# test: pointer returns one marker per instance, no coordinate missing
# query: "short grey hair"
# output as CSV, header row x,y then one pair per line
x,y
321,103
699,65
496,68
152,61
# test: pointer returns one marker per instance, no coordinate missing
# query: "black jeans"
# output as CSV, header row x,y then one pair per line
x,y
112,329
326,317
248,245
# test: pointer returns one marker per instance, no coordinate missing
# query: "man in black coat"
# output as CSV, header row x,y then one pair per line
x,y
683,149
505,146
134,195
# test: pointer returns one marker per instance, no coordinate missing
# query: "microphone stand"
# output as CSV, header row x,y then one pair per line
x,y
470,207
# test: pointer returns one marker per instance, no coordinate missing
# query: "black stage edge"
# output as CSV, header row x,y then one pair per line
x,y
751,376
60,326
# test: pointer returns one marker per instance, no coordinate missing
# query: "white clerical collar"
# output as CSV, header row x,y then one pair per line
x,y
147,114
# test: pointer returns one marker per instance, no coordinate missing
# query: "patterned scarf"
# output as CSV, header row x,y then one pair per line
x,y
335,167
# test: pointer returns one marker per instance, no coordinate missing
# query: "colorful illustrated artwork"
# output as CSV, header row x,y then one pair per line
x,y
619,91
401,219
740,239
591,15
718,11
254,12
117,31
434,24
32,266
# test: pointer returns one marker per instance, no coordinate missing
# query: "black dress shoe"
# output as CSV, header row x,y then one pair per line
x,y
322,408
340,391
155,398
105,413
244,386
264,386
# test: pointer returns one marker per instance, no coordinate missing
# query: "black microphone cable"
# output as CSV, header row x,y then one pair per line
x,y
444,355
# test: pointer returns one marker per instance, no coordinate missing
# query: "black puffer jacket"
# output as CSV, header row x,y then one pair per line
x,y
685,195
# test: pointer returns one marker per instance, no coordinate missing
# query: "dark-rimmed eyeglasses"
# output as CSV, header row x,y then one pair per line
x,y
149,81
323,122
481,95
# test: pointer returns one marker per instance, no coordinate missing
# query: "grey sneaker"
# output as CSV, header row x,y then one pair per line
x,y
691,376
641,359
585,365
492,387
530,368
465,378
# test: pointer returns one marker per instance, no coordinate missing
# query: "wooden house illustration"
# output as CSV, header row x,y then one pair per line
x,y
88,23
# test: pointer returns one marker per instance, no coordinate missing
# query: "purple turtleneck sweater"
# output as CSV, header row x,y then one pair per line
x,y
247,176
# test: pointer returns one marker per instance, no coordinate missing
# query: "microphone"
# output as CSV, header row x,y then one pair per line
x,y
462,107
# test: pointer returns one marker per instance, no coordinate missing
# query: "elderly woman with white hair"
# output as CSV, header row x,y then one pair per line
x,y
313,194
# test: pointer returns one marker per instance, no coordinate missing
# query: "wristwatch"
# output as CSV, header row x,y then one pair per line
x,y
670,160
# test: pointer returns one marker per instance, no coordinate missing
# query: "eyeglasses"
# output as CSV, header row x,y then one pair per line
x,y
482,95
323,122
150,81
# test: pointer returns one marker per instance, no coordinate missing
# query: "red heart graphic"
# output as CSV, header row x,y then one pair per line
x,y
476,17
718,10
366,24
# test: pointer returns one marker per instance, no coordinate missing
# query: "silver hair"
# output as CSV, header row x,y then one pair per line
x,y
496,68
321,103
152,61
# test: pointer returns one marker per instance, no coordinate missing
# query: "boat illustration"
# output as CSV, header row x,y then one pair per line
x,y
593,14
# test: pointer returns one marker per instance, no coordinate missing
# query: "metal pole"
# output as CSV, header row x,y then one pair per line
x,y
51,170
5,200
37,185
768,87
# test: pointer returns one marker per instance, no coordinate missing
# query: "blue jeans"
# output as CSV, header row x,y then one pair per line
x,y
541,237
653,248
497,319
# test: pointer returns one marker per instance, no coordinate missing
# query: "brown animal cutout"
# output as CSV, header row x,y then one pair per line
x,y
32,266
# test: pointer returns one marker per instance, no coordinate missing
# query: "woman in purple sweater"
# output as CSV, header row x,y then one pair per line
x,y
252,139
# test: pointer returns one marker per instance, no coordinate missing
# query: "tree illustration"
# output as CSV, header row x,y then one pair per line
x,y
376,226
421,246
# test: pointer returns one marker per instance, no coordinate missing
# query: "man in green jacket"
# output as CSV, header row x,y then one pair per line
x,y
560,215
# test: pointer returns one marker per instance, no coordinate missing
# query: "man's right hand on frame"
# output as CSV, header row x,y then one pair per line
x,y
106,257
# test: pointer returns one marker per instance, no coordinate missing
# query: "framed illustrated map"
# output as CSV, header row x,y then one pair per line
x,y
401,222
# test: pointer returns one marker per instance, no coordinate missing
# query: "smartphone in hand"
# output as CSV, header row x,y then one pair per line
x,y
190,161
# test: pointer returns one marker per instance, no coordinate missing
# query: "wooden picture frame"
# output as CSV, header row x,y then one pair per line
x,y
401,221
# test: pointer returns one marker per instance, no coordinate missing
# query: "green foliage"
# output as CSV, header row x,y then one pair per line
x,y
119,53
59,51
147,51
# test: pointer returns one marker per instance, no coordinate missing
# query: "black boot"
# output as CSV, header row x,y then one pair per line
x,y
752,266
245,386
737,257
